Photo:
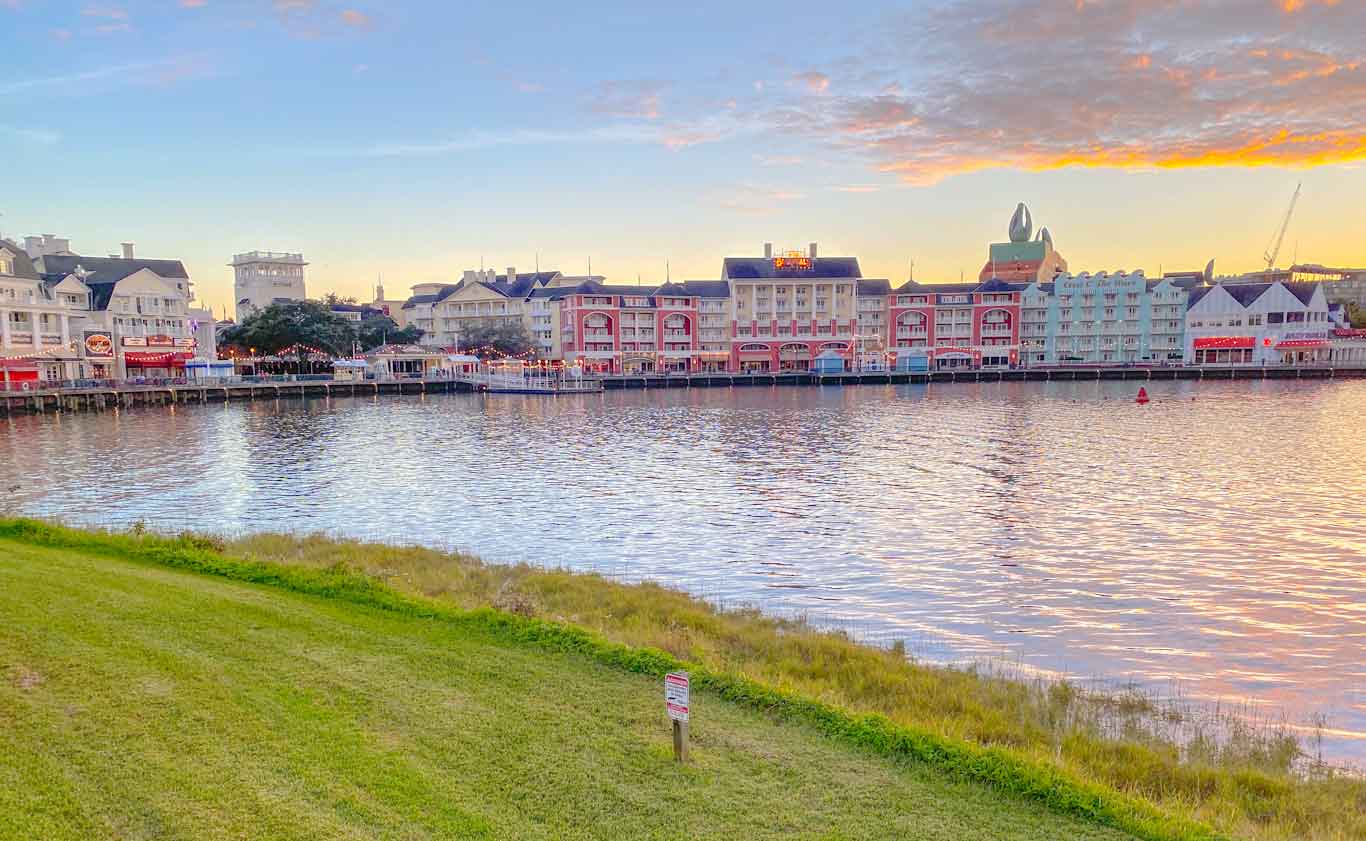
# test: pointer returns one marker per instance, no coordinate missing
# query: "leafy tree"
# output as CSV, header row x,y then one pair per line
x,y
281,326
490,340
1356,314
381,329
332,299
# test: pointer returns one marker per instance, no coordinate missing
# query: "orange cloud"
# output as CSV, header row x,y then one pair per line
x,y
353,17
1032,85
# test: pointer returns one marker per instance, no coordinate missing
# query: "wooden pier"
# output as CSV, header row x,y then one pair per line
x,y
981,376
129,396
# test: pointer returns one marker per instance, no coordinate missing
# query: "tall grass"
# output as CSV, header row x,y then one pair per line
x,y
1070,746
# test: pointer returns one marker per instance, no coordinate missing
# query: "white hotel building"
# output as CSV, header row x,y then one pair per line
x,y
1258,324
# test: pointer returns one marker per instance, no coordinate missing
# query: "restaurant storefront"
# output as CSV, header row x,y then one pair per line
x,y
1224,350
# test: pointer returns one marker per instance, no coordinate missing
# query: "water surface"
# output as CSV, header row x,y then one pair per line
x,y
1213,540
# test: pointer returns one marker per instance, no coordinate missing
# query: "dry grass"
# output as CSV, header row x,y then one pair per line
x,y
1250,778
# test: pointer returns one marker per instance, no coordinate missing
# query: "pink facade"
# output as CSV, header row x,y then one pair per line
x,y
617,332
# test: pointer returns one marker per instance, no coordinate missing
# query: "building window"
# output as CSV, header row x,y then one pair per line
x,y
1275,318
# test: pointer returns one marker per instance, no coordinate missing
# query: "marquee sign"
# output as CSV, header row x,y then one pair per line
x,y
99,344
802,264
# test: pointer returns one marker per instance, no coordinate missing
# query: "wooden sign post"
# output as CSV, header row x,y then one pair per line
x,y
677,700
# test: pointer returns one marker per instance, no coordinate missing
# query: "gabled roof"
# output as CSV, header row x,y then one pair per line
x,y
874,287
23,265
998,285
1197,294
671,288
422,299
1304,292
708,288
1246,293
911,287
110,269
754,268
105,272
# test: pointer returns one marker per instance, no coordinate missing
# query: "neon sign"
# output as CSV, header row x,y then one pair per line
x,y
799,263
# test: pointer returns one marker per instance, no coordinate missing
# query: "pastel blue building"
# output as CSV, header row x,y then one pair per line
x,y
1105,319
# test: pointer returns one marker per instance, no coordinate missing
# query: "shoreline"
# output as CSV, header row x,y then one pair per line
x,y
1251,784
45,401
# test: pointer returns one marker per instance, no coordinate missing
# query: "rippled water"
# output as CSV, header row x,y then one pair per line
x,y
1215,538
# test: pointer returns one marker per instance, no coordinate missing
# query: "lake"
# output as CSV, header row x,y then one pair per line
x,y
1210,543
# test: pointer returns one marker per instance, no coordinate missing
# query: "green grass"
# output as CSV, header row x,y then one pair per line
x,y
142,700
1247,781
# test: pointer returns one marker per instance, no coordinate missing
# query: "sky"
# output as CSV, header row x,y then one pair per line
x,y
410,141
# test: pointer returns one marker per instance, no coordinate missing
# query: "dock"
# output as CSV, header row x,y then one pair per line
x,y
126,396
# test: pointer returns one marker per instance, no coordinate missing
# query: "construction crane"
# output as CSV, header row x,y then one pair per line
x,y
1274,250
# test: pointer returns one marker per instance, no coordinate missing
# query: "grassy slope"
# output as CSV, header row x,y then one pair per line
x,y
1243,784
141,702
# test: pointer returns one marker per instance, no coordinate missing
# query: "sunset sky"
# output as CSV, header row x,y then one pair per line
x,y
414,139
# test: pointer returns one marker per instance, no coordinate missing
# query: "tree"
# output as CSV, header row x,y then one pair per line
x,y
309,324
1356,314
332,299
381,329
489,340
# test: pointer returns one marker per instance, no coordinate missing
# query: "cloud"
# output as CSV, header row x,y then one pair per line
x,y
477,140
814,81
757,201
963,86
37,137
856,188
160,71
106,12
635,99
354,18
193,4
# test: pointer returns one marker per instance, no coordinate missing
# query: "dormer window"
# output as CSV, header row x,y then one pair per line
x,y
6,263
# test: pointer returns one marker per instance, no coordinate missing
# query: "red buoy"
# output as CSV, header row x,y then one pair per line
x,y
1142,395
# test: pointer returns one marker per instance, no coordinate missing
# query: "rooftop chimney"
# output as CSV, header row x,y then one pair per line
x,y
812,251
127,250
768,251
512,275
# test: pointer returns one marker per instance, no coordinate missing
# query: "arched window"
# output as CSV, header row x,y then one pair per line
x,y
753,348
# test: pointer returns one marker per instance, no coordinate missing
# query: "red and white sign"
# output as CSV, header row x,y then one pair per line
x,y
135,341
677,695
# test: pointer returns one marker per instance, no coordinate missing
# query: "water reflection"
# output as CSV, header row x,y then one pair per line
x,y
1211,537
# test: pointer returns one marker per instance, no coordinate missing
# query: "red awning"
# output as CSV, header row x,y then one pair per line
x,y
167,359
1225,343
1297,344
19,364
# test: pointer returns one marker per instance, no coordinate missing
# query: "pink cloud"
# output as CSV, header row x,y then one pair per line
x,y
815,82
353,17
1128,84
628,98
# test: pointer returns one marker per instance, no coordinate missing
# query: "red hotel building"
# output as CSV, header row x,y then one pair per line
x,y
629,329
958,324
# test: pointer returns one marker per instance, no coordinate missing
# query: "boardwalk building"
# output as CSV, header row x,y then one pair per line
x,y
787,309
1258,324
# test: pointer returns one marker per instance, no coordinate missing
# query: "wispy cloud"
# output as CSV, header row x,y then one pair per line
x,y
856,188
755,200
815,81
37,137
636,99
477,140
160,71
355,18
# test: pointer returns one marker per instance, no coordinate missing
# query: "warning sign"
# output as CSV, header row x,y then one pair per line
x,y
677,695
